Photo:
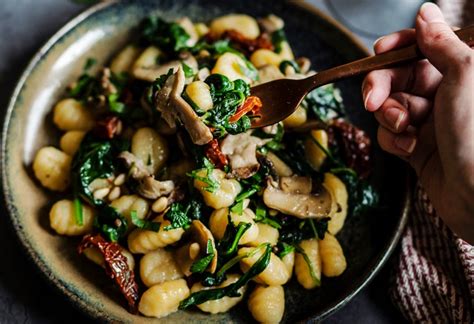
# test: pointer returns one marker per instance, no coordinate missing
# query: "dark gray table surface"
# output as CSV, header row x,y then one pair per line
x,y
25,297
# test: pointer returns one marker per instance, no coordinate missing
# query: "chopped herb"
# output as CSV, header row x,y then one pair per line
x,y
115,105
284,249
199,266
261,216
229,243
110,223
209,180
78,216
143,223
188,71
178,216
231,290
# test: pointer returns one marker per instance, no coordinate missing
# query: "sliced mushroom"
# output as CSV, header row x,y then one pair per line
x,y
151,188
296,185
172,106
136,167
241,151
297,200
196,248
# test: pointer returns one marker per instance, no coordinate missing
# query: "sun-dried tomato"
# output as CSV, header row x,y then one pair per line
x,y
251,105
108,127
214,153
242,43
355,145
116,267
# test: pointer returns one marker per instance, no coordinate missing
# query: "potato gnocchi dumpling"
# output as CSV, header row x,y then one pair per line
x,y
52,168
70,114
267,304
308,264
164,298
159,166
62,218
159,266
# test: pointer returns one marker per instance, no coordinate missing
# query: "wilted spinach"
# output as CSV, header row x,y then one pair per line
x,y
200,265
168,36
144,223
232,289
325,103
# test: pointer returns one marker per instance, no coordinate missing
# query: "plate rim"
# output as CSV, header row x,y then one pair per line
x,y
75,300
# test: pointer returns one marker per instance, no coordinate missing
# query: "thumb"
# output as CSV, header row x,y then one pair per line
x,y
438,42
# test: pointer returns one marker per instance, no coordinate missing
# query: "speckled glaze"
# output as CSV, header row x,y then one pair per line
x,y
101,31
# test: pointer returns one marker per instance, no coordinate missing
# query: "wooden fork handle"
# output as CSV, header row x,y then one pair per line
x,y
380,61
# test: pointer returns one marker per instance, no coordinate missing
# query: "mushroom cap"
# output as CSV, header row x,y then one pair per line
x,y
296,196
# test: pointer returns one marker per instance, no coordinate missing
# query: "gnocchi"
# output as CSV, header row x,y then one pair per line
x,y
52,168
339,192
150,147
220,197
128,203
123,61
244,24
297,118
232,66
70,142
200,94
70,114
308,264
159,266
332,257
267,304
163,299
275,273
219,220
313,152
62,218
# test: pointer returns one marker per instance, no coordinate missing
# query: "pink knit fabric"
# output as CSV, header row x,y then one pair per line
x,y
434,280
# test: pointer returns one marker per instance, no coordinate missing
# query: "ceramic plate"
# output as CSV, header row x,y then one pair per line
x,y
101,31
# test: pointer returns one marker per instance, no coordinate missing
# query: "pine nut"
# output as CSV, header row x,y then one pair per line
x,y
120,180
101,193
98,184
114,194
160,205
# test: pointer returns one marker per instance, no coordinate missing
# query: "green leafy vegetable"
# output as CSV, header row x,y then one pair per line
x,y
299,250
284,64
188,71
89,63
78,211
278,38
232,235
227,96
325,102
294,230
143,223
178,216
110,223
209,180
231,290
170,37
200,265
261,216
284,249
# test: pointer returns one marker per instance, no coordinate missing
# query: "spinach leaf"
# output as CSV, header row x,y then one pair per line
x,y
325,103
278,38
227,96
284,249
284,64
362,195
261,216
79,217
178,216
231,290
110,223
232,235
294,230
169,37
199,266
208,179
143,223
188,71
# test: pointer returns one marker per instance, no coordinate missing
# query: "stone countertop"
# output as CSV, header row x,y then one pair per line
x,y
25,297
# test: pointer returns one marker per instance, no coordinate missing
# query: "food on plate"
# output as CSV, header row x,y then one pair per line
x,y
164,179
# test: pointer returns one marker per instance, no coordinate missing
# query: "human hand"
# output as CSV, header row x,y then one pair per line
x,y
426,115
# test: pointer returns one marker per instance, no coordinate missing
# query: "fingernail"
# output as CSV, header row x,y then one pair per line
x,y
366,98
406,143
378,40
430,13
394,117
